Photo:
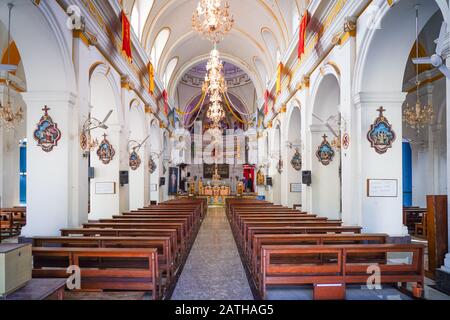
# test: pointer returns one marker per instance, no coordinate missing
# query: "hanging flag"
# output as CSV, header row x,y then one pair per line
x,y
279,73
166,102
151,75
126,38
302,34
266,101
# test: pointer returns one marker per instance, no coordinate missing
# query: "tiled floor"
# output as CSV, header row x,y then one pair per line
x,y
214,270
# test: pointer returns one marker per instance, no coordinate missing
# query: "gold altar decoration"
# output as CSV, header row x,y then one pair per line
x,y
260,179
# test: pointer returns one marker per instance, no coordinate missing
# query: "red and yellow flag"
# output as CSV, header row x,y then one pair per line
x,y
279,74
151,75
166,101
302,34
126,37
266,101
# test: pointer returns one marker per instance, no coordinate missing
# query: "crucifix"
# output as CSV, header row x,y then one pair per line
x,y
45,109
381,110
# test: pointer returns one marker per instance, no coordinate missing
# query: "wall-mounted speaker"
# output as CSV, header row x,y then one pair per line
x,y
123,178
306,178
269,181
162,181
91,172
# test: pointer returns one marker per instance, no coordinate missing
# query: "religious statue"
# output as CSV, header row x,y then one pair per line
x,y
260,179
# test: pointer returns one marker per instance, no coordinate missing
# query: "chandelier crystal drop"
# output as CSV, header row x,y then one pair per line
x,y
212,19
215,86
418,116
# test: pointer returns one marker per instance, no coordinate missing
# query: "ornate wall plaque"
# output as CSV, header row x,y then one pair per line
x,y
381,135
47,133
325,152
151,165
105,151
296,161
345,141
134,160
260,179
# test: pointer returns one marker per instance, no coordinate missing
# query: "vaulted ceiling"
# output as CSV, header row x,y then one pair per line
x,y
261,29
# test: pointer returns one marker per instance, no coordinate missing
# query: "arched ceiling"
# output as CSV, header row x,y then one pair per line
x,y
242,46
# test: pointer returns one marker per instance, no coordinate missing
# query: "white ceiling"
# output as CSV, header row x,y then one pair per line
x,y
242,46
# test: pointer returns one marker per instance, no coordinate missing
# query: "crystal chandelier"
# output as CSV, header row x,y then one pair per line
x,y
215,86
212,20
418,116
7,115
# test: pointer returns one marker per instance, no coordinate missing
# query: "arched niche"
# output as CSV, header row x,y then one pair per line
x,y
103,98
293,176
138,186
326,182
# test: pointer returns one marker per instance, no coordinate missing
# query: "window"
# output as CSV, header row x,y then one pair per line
x,y
169,71
158,46
135,20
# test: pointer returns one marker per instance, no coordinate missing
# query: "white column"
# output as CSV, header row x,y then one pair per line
x,y
50,189
138,179
380,215
446,266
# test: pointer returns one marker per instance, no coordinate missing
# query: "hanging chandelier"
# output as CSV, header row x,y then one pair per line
x,y
212,19
418,116
215,86
7,115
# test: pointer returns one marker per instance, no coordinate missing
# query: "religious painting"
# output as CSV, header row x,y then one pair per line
x,y
151,165
381,136
134,160
260,178
105,151
223,170
47,133
296,161
173,181
325,152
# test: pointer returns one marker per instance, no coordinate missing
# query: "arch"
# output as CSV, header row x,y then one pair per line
x,y
327,187
377,42
293,136
31,25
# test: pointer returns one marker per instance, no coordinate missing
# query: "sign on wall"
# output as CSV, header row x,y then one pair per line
x,y
105,188
382,188
296,187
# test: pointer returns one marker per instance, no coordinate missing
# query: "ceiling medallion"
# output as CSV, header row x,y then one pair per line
x,y
381,135
105,151
212,19
325,152
47,133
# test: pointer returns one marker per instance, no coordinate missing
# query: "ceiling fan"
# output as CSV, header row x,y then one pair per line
x,y
436,60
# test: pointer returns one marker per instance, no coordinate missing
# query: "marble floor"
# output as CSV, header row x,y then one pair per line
x,y
213,270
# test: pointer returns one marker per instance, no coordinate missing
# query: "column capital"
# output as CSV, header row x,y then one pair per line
x,y
49,97
376,97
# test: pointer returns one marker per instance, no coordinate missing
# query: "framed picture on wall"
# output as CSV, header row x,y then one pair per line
x,y
153,187
173,180
105,188
296,187
382,188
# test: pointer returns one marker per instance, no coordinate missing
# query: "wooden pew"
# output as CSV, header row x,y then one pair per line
x,y
280,265
162,244
307,239
96,273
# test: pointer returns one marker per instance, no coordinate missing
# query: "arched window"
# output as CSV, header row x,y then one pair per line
x,y
135,20
271,43
169,71
158,46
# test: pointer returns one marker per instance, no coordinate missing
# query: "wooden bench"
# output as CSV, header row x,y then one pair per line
x,y
96,273
162,244
280,265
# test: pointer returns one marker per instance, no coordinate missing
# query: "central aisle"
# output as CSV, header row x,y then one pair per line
x,y
213,270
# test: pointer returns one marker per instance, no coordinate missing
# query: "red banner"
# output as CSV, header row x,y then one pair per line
x,y
166,102
126,38
266,101
302,34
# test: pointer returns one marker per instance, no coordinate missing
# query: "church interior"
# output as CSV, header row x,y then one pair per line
x,y
224,150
